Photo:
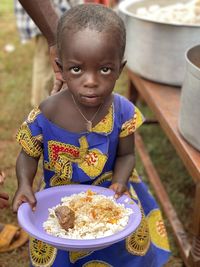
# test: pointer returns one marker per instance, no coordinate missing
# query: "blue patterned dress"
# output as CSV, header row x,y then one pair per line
x,y
88,158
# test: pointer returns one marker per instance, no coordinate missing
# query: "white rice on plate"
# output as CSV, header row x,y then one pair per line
x,y
96,216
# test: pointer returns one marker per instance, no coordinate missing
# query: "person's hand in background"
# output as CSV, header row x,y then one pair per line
x,y
58,82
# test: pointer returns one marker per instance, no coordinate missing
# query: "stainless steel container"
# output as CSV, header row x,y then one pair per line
x,y
156,50
189,119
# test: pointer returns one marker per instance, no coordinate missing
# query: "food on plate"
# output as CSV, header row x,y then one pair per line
x,y
181,13
87,215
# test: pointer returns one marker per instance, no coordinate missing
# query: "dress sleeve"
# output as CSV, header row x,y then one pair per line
x,y
29,135
132,118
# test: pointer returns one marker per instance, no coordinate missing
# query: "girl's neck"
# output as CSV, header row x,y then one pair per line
x,y
89,111
68,117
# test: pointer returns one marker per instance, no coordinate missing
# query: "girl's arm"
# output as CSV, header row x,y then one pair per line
x,y
26,168
124,165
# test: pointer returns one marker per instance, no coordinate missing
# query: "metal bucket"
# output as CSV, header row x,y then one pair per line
x,y
189,117
155,50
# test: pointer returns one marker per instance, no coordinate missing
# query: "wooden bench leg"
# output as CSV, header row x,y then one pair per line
x,y
164,200
194,256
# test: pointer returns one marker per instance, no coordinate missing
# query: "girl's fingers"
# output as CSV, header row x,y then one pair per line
x,y
127,193
33,203
119,190
31,200
16,205
24,199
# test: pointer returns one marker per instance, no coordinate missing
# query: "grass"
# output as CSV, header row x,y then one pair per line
x,y
15,77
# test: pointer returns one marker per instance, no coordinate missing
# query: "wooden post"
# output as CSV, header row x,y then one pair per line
x,y
132,92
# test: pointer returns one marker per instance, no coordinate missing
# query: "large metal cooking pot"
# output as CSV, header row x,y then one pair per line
x,y
156,50
189,119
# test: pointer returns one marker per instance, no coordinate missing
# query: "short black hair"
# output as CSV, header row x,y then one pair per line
x,y
95,17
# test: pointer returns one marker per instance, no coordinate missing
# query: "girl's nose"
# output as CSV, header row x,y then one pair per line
x,y
90,80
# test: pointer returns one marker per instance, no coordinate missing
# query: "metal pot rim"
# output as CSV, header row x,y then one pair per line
x,y
192,66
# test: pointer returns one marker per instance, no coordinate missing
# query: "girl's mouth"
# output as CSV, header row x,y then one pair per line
x,y
90,99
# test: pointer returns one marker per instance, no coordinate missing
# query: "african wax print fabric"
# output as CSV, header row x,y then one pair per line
x,y
89,158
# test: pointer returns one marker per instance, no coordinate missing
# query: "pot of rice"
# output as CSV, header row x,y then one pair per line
x,y
189,117
158,35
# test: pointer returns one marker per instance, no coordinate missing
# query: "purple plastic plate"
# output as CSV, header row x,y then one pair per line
x,y
32,222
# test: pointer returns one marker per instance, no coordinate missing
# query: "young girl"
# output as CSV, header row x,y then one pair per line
x,y
86,135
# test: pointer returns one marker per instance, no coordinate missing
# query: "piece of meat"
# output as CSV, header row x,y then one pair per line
x,y
66,217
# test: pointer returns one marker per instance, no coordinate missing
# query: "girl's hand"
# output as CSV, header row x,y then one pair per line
x,y
119,189
23,195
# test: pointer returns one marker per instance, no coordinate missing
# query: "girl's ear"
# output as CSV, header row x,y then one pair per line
x,y
60,67
123,63
59,64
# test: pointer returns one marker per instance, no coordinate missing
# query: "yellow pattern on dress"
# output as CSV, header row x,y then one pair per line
x,y
134,177
131,125
61,157
41,254
96,263
66,151
57,180
62,167
107,176
138,243
133,193
39,137
157,230
42,184
28,142
33,114
140,118
77,255
83,147
106,124
93,163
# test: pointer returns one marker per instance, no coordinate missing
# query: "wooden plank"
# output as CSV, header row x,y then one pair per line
x,y
165,102
162,196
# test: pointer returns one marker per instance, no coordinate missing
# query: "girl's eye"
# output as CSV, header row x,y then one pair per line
x,y
105,70
75,70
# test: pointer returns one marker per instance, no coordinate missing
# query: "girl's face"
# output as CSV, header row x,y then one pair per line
x,y
90,65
